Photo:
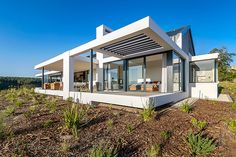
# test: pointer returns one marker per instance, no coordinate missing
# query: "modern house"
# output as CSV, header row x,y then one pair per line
x,y
132,66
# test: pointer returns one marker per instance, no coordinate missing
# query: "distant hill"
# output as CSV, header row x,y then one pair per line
x,y
17,82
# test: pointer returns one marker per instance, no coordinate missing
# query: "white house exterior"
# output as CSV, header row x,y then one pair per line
x,y
132,66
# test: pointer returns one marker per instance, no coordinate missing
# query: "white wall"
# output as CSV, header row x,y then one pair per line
x,y
204,90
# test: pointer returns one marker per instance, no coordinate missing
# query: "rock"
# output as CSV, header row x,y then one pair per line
x,y
19,118
66,137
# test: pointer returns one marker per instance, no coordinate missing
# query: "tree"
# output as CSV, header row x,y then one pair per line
x,y
225,58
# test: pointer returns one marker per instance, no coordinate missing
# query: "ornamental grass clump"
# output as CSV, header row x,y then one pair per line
x,y
10,110
198,124
103,151
2,125
200,145
73,117
148,112
232,126
186,107
153,150
234,106
52,105
165,135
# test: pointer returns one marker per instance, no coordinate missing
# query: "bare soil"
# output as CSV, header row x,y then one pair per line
x,y
28,135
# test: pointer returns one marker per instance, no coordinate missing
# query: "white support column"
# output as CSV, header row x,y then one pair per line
x,y
68,75
99,70
164,74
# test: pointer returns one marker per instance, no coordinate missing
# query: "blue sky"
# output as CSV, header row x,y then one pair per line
x,y
32,31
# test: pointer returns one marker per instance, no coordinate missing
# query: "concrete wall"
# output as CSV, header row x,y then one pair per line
x,y
204,90
49,92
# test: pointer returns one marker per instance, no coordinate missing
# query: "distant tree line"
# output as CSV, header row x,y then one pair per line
x,y
17,82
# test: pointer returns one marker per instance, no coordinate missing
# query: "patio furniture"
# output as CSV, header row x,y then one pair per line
x,y
46,86
135,87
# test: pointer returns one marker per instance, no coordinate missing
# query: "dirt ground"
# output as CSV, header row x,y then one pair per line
x,y
28,135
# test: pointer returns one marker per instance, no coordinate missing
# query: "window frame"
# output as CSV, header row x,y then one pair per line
x,y
214,71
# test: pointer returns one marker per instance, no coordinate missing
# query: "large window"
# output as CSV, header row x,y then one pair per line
x,y
202,71
113,75
135,74
177,73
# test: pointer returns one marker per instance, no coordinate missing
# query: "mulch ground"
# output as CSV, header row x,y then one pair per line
x,y
30,137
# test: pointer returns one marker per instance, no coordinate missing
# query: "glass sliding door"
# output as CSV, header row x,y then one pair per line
x,y
177,73
135,74
154,73
113,75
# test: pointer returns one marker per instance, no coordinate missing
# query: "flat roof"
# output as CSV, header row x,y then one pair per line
x,y
138,38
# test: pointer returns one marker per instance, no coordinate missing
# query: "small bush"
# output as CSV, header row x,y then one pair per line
x,y
52,105
48,123
165,135
200,145
130,128
65,146
2,125
186,107
154,150
198,124
110,123
73,117
148,112
18,103
10,110
232,126
69,100
103,151
234,105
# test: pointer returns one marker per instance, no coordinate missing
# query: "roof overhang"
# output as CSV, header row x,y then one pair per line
x,y
56,64
138,38
205,57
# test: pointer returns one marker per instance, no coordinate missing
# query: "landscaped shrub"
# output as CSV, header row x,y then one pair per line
x,y
165,135
200,145
198,124
52,105
110,123
103,151
48,123
154,150
69,100
232,126
148,112
73,117
2,125
186,107
130,128
9,110
18,103
234,105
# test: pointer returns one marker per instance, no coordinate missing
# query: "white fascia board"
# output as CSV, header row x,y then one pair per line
x,y
167,39
205,57
123,32
47,73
